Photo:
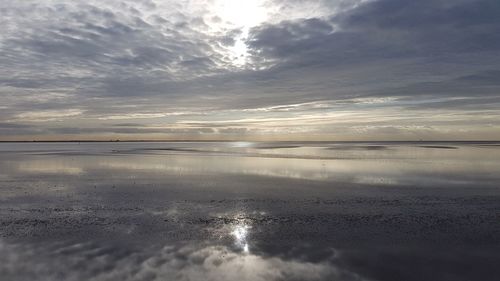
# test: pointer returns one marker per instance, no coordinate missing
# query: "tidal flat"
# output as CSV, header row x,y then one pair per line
x,y
250,211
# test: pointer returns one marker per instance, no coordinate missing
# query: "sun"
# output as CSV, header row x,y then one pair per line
x,y
242,15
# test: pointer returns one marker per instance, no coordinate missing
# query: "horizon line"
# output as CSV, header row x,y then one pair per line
x,y
180,140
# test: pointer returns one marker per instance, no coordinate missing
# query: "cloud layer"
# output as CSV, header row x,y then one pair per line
x,y
269,69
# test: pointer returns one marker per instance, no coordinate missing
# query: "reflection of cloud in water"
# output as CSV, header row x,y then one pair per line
x,y
49,167
389,164
190,165
84,261
372,179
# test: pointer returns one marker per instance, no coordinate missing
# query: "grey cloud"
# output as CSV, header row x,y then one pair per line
x,y
488,78
385,29
129,125
7,129
289,38
411,15
21,83
95,40
480,85
14,126
131,130
419,48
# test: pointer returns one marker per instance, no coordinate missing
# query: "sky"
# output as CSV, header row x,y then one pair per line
x,y
250,70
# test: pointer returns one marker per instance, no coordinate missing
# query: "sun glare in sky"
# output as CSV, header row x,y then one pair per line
x,y
241,15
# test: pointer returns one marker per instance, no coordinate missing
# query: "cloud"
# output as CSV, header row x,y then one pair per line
x,y
14,126
48,115
384,29
389,48
167,62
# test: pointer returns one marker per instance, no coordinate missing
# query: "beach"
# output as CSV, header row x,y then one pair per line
x,y
250,211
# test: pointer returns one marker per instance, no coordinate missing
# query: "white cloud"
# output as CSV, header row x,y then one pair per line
x,y
48,115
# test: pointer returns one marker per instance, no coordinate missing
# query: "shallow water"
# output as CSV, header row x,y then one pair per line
x,y
250,211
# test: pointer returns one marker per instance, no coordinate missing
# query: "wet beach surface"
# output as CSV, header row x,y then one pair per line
x,y
250,211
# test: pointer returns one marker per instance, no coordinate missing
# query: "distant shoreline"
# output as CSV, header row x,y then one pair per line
x,y
325,141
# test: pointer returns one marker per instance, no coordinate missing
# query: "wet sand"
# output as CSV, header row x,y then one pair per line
x,y
249,211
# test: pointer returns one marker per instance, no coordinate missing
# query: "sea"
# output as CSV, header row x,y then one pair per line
x,y
389,211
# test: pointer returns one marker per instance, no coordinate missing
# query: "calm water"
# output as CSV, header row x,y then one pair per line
x,y
250,211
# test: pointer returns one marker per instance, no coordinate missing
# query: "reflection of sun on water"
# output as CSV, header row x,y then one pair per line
x,y
240,233
241,144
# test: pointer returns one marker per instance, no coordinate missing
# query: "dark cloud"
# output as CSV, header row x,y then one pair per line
x,y
390,48
384,29
129,125
7,129
14,126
